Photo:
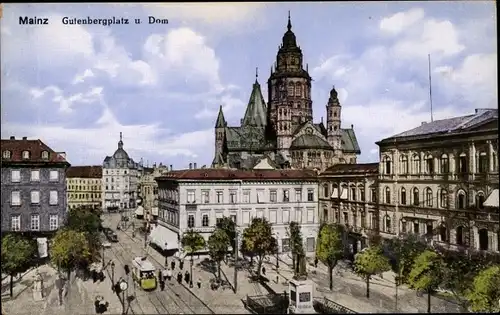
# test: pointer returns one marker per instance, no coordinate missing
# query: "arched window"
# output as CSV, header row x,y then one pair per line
x,y
291,89
443,164
45,155
480,200
361,191
459,235
482,165
387,165
483,239
326,191
403,196
416,200
388,224
353,193
428,197
6,154
387,195
298,89
461,200
462,163
26,154
403,167
429,164
443,233
443,198
416,164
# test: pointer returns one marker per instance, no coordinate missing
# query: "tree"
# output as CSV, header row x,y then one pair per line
x,y
485,293
427,274
192,242
69,250
86,221
330,249
217,247
17,253
370,262
229,226
258,239
296,242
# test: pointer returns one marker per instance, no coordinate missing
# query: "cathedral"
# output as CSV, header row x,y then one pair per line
x,y
282,132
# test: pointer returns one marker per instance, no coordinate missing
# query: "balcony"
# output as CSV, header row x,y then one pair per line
x,y
191,207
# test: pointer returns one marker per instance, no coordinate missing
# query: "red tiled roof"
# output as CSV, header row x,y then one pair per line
x,y
228,174
87,171
371,168
34,147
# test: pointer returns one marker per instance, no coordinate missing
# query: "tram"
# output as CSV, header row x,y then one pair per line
x,y
143,272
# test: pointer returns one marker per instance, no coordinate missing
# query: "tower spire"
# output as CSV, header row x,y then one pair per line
x,y
120,136
256,74
289,26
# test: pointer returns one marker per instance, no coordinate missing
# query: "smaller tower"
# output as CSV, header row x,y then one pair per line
x,y
333,121
120,143
220,128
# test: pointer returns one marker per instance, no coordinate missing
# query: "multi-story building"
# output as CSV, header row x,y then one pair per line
x,y
120,175
147,187
433,181
84,187
197,198
283,130
348,196
33,186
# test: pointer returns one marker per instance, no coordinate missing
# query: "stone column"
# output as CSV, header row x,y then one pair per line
x,y
472,158
490,157
452,163
422,163
475,237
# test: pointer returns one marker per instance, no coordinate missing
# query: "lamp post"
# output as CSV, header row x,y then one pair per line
x,y
236,262
277,256
166,257
112,275
123,287
102,256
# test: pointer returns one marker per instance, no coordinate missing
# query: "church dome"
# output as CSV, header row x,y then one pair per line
x,y
120,154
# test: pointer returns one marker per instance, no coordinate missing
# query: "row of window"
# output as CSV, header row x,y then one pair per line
x,y
80,188
115,172
15,176
117,187
351,192
118,179
414,165
84,196
25,155
15,198
15,222
147,190
286,216
274,196
84,181
441,199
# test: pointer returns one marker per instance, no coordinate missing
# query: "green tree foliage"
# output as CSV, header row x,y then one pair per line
x,y
17,254
229,226
330,249
86,221
484,295
402,252
296,242
217,247
427,274
369,263
192,242
258,239
69,250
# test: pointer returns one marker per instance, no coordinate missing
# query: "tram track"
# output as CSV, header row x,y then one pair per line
x,y
190,301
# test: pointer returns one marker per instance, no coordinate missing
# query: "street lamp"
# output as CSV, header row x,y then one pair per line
x,y
102,256
123,287
166,257
112,275
236,262
277,256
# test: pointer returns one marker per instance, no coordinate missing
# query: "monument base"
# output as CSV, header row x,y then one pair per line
x,y
300,292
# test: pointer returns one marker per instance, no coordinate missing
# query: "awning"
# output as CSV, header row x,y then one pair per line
x,y
492,200
335,193
165,238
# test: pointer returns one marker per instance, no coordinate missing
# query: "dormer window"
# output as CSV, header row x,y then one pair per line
x,y
26,155
45,155
6,154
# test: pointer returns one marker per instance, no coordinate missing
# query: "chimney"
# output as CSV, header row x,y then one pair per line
x,y
194,166
25,138
423,123
12,138
352,126
190,166
171,167
62,154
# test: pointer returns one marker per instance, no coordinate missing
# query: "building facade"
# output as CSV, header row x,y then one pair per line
x,y
148,187
120,175
434,179
197,198
33,186
283,129
84,187
348,195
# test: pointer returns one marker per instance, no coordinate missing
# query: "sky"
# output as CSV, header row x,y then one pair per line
x,y
76,87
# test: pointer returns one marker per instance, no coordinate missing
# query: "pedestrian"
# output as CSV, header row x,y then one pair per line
x,y
181,264
316,262
101,276
186,277
160,275
94,275
162,285
199,283
179,277
172,264
164,274
264,271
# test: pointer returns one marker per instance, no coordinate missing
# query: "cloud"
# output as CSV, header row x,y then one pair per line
x,y
81,78
65,103
398,22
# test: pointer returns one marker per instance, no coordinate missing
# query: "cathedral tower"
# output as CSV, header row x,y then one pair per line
x,y
289,90
333,121
220,131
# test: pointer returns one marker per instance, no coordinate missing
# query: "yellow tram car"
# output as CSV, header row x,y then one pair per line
x,y
143,272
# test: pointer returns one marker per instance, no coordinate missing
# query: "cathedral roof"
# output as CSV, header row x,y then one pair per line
x,y
221,121
255,114
349,141
310,141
